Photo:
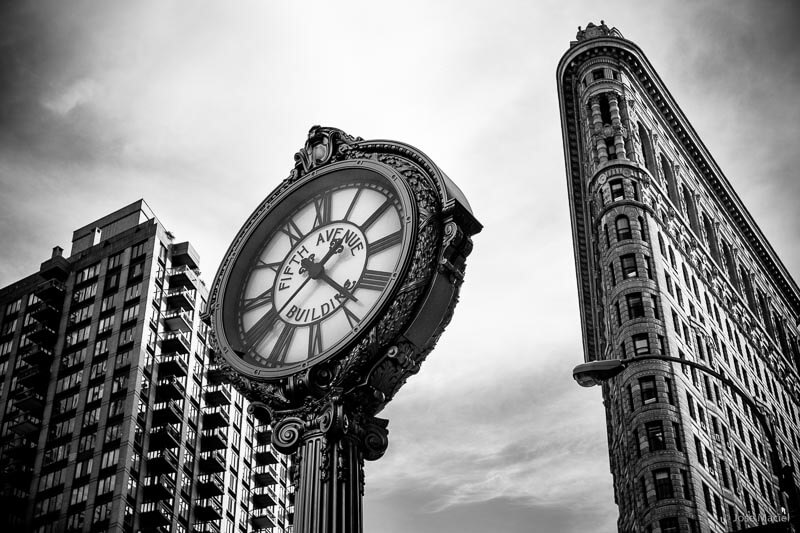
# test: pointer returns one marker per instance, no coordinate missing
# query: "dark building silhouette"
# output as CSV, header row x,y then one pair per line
x,y
111,416
670,263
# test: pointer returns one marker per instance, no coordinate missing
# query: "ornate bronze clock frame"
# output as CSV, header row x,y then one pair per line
x,y
319,314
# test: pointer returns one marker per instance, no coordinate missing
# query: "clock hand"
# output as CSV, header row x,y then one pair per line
x,y
300,288
336,247
327,279
315,270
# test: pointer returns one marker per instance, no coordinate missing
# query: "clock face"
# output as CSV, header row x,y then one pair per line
x,y
316,270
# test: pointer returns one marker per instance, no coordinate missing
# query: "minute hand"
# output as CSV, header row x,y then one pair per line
x,y
327,279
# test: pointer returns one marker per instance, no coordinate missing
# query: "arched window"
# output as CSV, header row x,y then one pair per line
x,y
623,226
672,186
688,199
647,151
711,237
730,264
748,288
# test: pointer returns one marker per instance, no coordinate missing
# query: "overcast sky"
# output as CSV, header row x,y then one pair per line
x,y
199,107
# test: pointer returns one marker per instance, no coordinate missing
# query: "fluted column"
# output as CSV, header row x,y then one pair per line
x,y
616,124
330,447
597,124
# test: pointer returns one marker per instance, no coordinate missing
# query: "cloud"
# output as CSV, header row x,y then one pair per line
x,y
79,93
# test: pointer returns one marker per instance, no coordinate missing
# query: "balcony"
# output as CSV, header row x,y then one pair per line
x,y
262,501
170,389
57,267
212,463
208,527
172,365
262,520
182,276
169,413
21,451
50,291
265,479
31,402
43,335
34,377
162,462
180,298
38,356
26,424
178,342
46,314
216,419
161,488
19,478
160,515
164,437
264,437
178,320
211,486
213,440
218,396
208,510
265,458
183,254
214,376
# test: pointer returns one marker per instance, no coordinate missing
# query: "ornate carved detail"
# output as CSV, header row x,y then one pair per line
x,y
325,414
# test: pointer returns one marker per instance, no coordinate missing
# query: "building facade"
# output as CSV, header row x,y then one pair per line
x,y
670,263
111,416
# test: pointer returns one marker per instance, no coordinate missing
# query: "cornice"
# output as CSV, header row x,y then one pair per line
x,y
638,65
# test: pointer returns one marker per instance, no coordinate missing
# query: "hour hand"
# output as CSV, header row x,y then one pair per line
x,y
344,292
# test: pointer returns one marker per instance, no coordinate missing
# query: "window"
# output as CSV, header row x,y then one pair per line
x,y
109,458
79,494
647,385
655,435
105,324
112,281
87,273
138,249
114,260
14,306
611,272
623,226
676,430
656,306
95,393
663,484
106,484
635,305
617,190
130,313
133,291
136,270
641,344
126,335
628,262
79,335
85,293
668,525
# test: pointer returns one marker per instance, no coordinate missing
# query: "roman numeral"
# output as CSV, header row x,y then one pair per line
x,y
352,319
262,299
314,339
393,239
374,280
294,233
376,215
322,206
281,348
262,264
260,329
352,204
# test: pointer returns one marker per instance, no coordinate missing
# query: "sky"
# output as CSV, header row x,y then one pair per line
x,y
199,107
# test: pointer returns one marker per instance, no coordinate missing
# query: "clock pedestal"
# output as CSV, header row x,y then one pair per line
x,y
330,448
321,406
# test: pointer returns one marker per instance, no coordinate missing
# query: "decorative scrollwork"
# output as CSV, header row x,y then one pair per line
x,y
287,434
375,440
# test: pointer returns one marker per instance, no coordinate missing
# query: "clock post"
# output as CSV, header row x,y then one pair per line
x,y
329,298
